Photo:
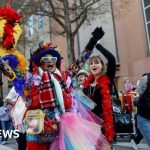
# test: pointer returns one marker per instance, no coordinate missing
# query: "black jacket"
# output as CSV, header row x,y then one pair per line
x,y
144,101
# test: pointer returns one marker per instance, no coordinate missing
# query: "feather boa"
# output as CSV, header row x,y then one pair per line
x,y
22,64
103,84
58,90
12,17
19,84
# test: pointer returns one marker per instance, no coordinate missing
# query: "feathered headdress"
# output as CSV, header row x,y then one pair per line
x,y
9,28
14,61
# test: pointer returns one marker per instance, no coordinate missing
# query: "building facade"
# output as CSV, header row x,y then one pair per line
x,y
133,42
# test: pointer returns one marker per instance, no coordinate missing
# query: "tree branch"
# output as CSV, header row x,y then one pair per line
x,y
54,15
80,23
78,17
84,13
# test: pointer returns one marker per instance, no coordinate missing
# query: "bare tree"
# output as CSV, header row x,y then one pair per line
x,y
69,14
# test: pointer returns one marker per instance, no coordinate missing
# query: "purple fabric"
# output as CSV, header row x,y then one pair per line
x,y
12,61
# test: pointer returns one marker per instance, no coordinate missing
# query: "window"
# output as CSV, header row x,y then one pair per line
x,y
147,12
40,22
30,26
146,3
146,8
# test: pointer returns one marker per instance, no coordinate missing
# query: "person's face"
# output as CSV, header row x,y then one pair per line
x,y
127,81
95,66
81,79
48,62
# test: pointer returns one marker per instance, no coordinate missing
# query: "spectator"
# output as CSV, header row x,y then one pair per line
x,y
5,122
128,85
143,118
139,135
81,77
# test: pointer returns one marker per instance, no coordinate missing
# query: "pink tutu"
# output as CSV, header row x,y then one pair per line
x,y
77,133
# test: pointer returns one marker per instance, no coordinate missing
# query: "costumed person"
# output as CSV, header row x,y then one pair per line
x,y
6,123
98,87
47,92
12,62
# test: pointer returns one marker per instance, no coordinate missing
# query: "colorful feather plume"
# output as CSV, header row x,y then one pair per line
x,y
12,17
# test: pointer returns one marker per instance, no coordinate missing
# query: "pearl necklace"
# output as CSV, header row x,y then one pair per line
x,y
94,88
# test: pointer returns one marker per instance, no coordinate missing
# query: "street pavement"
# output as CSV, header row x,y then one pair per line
x,y
12,145
128,146
3,147
123,143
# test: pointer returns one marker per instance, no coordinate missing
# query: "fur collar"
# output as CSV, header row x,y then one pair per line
x,y
103,79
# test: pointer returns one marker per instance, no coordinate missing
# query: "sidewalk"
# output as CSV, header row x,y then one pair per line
x,y
123,143
11,145
118,146
128,146
3,147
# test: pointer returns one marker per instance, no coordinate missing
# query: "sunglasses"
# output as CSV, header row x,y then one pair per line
x,y
49,59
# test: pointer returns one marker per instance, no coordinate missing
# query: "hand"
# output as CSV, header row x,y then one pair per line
x,y
98,33
8,101
135,95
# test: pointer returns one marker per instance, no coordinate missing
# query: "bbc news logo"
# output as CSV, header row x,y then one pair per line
x,y
9,133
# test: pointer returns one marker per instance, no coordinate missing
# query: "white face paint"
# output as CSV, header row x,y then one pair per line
x,y
96,67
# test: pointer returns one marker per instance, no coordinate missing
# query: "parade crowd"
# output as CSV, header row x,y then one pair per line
x,y
75,109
